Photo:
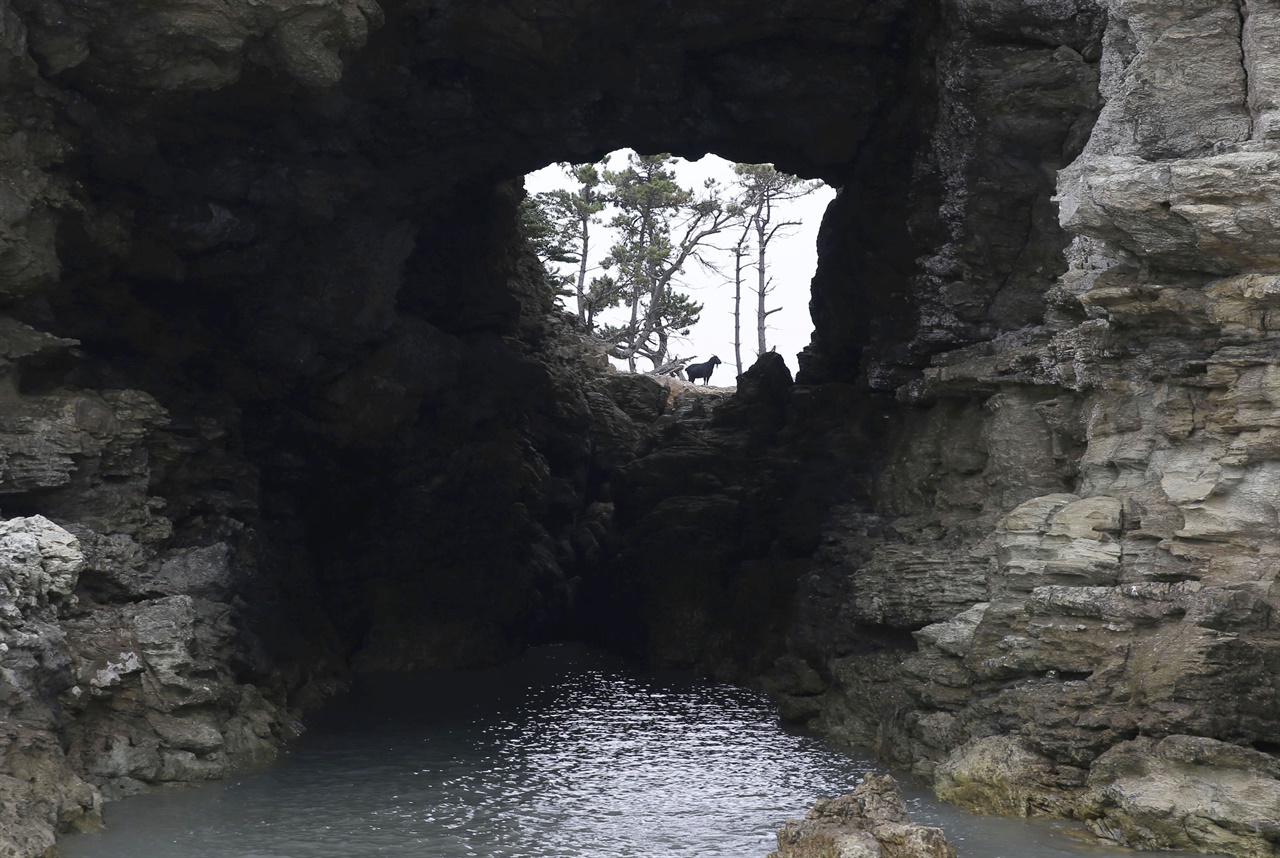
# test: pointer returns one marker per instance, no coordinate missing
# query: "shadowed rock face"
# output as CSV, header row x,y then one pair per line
x,y
283,395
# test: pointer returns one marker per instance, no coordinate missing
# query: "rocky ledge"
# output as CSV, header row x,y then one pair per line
x,y
870,822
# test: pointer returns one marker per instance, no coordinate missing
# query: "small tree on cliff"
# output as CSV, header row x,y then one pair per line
x,y
560,224
661,229
760,188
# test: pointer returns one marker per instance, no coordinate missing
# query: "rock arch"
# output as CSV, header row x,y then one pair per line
x,y
274,357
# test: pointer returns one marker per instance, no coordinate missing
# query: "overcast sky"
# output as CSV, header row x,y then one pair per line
x,y
791,260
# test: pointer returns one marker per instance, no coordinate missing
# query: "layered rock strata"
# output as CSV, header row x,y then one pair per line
x,y
1100,482
1050,590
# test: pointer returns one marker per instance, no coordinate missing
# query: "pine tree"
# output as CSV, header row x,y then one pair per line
x,y
560,224
662,228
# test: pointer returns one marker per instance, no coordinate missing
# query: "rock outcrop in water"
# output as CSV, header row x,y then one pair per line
x,y
870,822
282,395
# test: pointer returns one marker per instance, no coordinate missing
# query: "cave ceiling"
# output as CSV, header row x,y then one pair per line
x,y
255,152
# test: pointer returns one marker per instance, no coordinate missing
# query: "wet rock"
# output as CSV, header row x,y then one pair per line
x,y
1001,775
870,822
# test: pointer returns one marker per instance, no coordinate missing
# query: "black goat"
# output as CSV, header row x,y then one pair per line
x,y
702,370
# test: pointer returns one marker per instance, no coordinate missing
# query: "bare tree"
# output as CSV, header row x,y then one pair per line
x,y
739,270
760,187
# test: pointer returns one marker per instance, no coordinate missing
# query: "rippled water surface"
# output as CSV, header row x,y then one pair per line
x,y
566,753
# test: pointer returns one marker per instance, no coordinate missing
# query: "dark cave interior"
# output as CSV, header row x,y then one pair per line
x,y
362,388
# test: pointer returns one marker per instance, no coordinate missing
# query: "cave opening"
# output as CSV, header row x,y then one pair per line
x,y
356,388
740,311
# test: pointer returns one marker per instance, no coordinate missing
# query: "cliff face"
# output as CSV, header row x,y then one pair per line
x,y
1075,524
282,395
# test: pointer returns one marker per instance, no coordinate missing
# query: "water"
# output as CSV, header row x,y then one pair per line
x,y
565,754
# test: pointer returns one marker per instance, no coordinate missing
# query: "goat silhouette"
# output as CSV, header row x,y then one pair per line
x,y
702,370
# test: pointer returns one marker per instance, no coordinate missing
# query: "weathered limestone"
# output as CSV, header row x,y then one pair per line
x,y
1126,520
41,793
1173,212
870,822
1260,42
1187,792
1173,79
39,565
176,713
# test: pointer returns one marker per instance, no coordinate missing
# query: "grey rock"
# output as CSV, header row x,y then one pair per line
x,y
870,822
1173,212
189,733
307,37
1173,79
1057,539
1260,42
955,635
39,565
1000,774
202,572
1186,792
1019,507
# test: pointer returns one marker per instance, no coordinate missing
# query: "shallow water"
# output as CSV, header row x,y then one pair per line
x,y
566,753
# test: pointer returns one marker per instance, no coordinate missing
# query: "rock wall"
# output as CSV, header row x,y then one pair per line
x,y
283,396
1041,578
1078,518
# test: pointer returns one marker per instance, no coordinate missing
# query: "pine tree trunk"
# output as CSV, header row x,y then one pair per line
x,y
582,276
762,223
737,305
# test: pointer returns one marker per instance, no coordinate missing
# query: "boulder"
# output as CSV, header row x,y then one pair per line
x,y
1002,775
1186,792
870,822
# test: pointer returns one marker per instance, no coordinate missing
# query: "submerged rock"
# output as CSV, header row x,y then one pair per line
x,y
870,822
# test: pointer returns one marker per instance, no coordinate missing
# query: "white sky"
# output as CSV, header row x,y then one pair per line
x,y
792,259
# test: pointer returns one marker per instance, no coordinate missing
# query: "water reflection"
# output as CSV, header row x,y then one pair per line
x,y
566,753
